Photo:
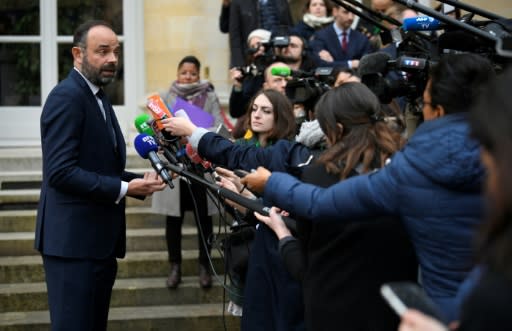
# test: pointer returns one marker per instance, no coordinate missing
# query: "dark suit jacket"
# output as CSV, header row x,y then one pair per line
x,y
77,215
243,19
326,39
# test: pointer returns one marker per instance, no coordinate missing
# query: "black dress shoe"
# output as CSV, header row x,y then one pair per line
x,y
174,277
205,277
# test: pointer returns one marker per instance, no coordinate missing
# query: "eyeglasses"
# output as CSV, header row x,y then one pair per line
x,y
423,103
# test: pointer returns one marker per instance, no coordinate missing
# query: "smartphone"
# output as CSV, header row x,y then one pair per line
x,y
405,295
240,173
223,131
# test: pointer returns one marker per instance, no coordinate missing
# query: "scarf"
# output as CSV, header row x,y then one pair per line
x,y
195,93
315,21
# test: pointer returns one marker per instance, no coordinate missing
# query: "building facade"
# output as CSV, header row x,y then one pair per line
x,y
35,52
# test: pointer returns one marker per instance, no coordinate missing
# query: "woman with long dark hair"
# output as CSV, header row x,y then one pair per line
x,y
344,265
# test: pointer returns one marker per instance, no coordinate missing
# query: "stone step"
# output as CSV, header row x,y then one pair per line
x,y
128,292
197,317
136,218
30,159
29,198
26,269
31,179
22,243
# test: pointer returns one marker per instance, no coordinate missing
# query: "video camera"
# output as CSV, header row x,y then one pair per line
x,y
260,63
306,87
417,48
405,76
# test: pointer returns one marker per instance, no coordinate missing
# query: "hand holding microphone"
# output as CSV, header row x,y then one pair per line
x,y
147,147
147,185
179,126
256,181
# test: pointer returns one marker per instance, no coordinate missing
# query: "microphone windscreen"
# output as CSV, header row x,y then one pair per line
x,y
158,109
421,23
373,63
142,126
192,154
281,71
145,144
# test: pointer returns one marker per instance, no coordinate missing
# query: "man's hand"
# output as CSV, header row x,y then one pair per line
x,y
256,181
326,56
145,186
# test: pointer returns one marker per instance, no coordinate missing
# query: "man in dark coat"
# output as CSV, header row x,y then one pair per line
x,y
248,15
80,228
338,45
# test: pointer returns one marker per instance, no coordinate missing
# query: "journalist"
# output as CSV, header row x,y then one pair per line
x,y
487,307
433,183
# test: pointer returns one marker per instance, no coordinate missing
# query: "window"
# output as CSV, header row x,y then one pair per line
x,y
35,54
20,65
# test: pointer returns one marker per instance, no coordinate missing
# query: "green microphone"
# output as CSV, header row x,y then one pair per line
x,y
281,71
142,126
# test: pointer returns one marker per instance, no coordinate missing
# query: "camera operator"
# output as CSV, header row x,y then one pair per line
x,y
246,84
248,15
433,184
297,54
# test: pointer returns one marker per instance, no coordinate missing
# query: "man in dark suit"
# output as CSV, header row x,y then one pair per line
x,y
80,228
338,45
248,15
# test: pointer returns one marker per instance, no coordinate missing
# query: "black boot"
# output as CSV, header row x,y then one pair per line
x,y
205,277
174,277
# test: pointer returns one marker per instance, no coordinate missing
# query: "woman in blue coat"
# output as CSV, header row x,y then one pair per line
x,y
433,184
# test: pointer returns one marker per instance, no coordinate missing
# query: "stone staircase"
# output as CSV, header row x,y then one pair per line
x,y
140,300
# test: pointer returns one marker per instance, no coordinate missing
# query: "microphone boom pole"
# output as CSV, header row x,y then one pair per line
x,y
447,19
228,194
473,9
366,16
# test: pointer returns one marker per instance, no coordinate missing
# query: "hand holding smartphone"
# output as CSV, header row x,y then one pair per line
x,y
408,295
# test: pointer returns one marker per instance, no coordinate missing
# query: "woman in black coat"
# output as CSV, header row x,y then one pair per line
x,y
343,265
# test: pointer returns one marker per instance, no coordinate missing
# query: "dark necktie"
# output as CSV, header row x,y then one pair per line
x,y
344,41
107,107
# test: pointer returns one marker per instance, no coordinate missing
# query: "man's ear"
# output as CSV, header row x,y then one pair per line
x,y
439,111
77,54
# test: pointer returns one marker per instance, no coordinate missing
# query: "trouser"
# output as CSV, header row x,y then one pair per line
x,y
204,224
79,292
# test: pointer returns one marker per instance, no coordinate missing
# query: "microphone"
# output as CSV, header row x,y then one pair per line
x,y
373,63
158,109
286,71
281,71
146,146
422,23
142,124
195,158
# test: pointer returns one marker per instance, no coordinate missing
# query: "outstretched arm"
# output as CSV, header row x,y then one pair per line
x,y
357,197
